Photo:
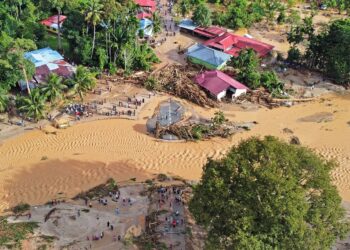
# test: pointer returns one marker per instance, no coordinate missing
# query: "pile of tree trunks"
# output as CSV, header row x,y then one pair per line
x,y
187,131
178,81
259,96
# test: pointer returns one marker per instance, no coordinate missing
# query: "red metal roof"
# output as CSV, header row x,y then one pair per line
x,y
210,32
232,44
216,81
53,20
147,3
143,15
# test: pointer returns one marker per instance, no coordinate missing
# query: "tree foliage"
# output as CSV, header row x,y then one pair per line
x,y
247,64
202,15
267,194
53,88
32,105
327,51
82,81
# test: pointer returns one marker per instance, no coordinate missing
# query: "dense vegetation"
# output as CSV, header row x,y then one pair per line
x,y
247,65
100,34
244,13
12,234
328,51
267,194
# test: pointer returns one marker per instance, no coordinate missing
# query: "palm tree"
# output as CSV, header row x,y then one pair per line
x,y
82,81
3,100
53,88
144,57
185,7
202,15
58,5
33,105
157,23
93,17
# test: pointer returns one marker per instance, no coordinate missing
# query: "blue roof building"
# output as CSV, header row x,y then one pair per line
x,y
209,58
42,56
46,61
187,24
147,26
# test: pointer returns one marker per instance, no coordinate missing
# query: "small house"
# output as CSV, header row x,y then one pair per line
x,y
147,5
208,57
47,61
187,26
233,44
220,85
51,23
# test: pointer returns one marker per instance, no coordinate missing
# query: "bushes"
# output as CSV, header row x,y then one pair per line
x,y
151,84
20,208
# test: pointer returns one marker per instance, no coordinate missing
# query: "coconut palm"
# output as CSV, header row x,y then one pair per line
x,y
185,7
58,5
93,17
202,15
144,57
82,81
157,23
33,105
3,100
54,87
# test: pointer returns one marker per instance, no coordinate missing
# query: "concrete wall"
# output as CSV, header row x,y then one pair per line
x,y
221,95
239,92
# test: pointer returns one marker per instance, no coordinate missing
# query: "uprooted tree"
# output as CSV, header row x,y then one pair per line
x,y
268,194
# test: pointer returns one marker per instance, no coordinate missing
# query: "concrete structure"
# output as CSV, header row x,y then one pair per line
x,y
209,58
220,85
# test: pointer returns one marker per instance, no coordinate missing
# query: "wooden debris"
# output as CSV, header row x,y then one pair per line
x,y
178,80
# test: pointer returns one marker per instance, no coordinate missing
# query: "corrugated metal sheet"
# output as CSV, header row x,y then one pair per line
x,y
211,56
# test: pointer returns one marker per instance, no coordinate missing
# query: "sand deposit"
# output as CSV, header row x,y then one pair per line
x,y
35,167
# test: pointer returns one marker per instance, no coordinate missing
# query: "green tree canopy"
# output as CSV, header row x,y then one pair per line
x,y
267,194
82,81
202,15
32,105
53,88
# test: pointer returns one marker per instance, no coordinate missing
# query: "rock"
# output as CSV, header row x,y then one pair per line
x,y
294,140
288,131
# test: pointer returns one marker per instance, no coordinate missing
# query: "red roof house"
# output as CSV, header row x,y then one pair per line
x,y
210,32
52,22
233,44
219,84
147,4
143,15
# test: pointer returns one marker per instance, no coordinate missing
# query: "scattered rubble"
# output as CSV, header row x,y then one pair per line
x,y
178,80
196,131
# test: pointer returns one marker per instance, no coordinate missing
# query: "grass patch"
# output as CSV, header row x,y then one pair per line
x,y
20,208
12,234
100,190
52,42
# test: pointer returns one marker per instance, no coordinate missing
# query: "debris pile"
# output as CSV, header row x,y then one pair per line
x,y
258,96
195,131
178,80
